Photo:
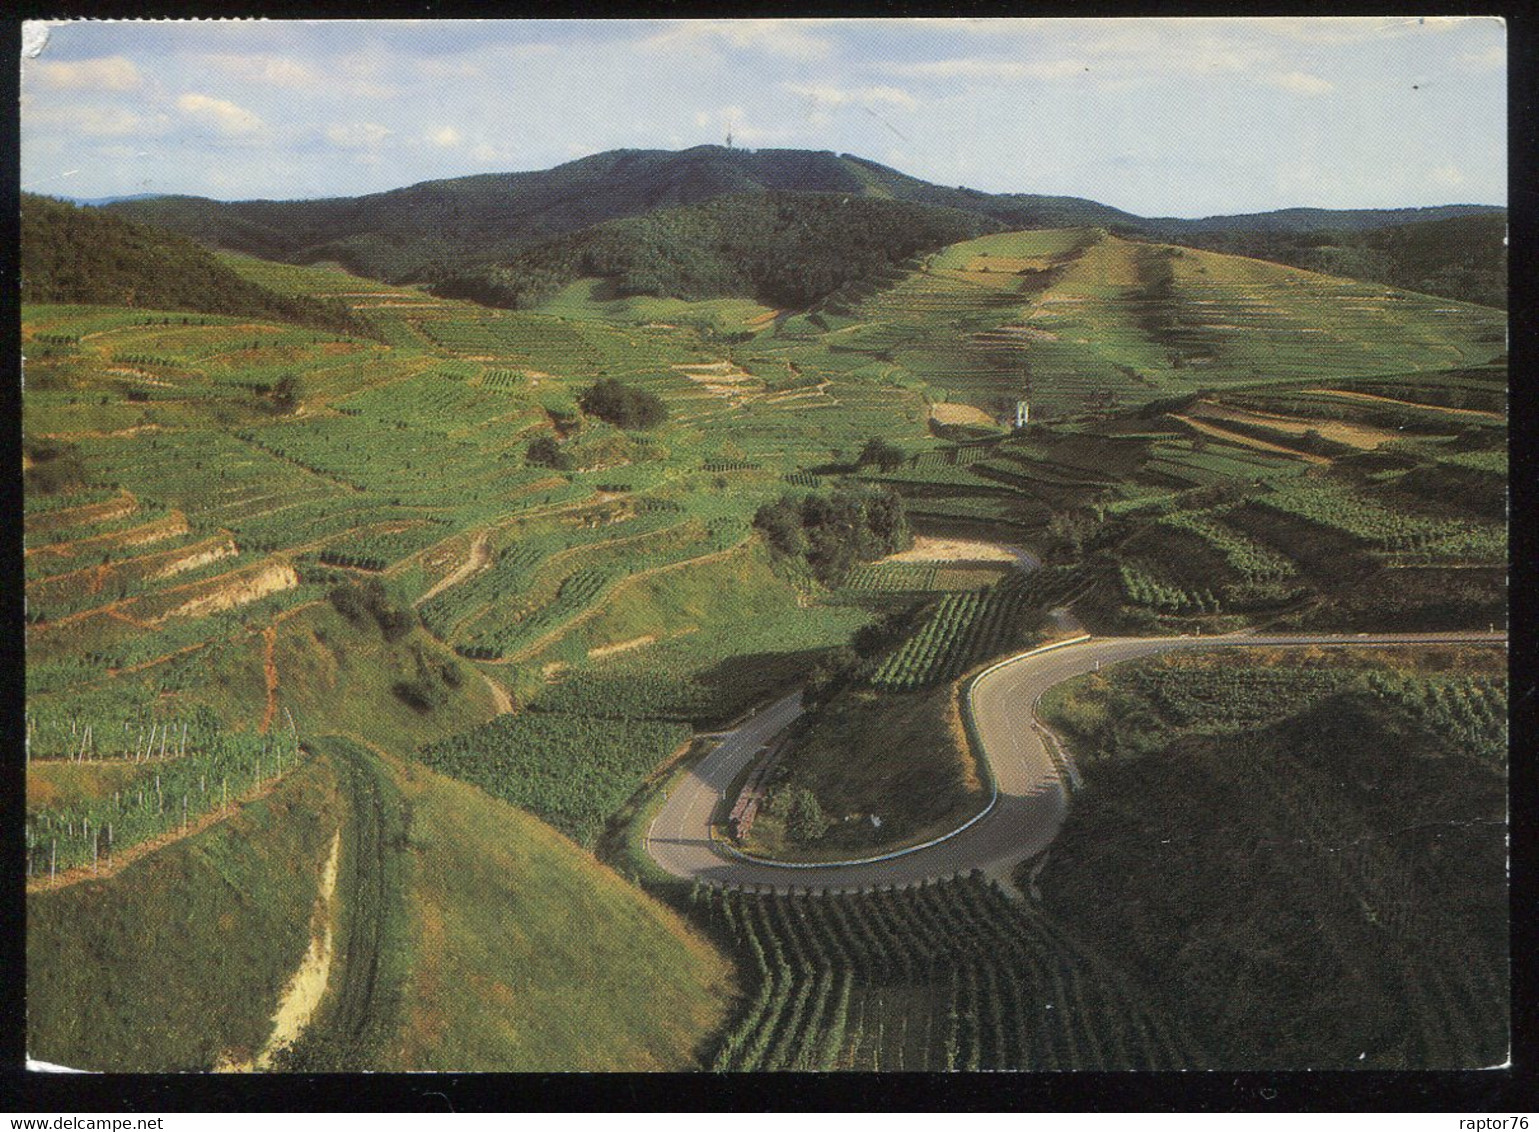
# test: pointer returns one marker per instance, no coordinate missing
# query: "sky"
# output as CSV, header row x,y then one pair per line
x,y
1162,117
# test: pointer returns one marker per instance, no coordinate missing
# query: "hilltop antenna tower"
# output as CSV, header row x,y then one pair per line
x,y
729,137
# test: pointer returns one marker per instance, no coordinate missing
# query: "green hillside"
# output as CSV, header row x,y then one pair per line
x,y
438,225
79,255
450,938
430,542
1331,830
1077,319
437,228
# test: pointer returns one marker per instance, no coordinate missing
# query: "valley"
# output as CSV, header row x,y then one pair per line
x,y
636,643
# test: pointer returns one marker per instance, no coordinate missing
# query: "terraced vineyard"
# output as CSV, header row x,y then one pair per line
x,y
165,794
965,629
1096,320
944,977
1390,529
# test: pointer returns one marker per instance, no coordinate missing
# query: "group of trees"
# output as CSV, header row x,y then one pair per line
x,y
882,454
432,684
623,406
834,532
546,452
361,602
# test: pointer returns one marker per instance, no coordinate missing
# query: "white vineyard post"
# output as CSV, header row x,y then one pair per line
x,y
184,813
109,841
163,740
53,858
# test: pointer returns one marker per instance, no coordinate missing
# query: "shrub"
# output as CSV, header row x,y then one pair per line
x,y
624,406
546,452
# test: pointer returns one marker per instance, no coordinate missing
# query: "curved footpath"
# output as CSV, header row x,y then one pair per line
x,y
1033,797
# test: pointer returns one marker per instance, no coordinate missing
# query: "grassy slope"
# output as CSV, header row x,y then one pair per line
x,y
727,634
530,956
181,957
734,588
59,785
903,758
335,676
1140,321
472,937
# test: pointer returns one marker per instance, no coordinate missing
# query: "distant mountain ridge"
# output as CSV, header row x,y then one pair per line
x,y
439,228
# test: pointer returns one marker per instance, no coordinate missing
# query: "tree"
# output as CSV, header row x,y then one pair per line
x,y
623,406
831,673
806,821
546,452
1073,528
888,457
781,523
285,393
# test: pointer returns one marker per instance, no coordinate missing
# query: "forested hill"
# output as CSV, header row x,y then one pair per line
x,y
82,255
784,249
412,233
437,227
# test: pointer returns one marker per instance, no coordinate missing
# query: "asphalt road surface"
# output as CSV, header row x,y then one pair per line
x,y
1033,796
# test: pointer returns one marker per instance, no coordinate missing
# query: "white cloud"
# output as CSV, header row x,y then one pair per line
x,y
446,69
787,38
274,70
1448,176
226,117
357,135
823,94
115,122
1298,82
121,152
962,69
488,153
996,70
446,136
95,121
110,73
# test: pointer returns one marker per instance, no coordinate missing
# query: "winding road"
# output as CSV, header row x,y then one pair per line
x,y
1032,798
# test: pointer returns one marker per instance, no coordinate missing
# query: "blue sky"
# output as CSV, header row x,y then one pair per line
x,y
1182,117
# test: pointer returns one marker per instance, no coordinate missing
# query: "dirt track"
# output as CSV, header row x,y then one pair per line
x,y
479,558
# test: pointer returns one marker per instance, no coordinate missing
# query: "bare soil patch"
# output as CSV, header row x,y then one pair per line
x,y
623,646
1358,436
953,413
929,549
